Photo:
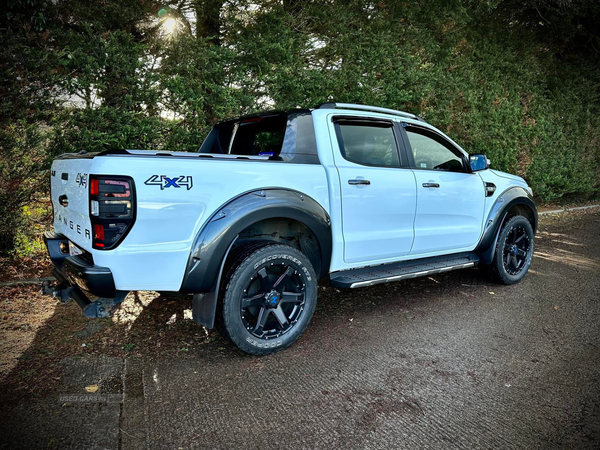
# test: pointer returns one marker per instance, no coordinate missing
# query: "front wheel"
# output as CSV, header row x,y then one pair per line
x,y
514,251
269,298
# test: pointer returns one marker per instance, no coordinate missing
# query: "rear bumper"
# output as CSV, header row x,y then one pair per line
x,y
77,271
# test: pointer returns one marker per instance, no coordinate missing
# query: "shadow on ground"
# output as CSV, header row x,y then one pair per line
x,y
449,361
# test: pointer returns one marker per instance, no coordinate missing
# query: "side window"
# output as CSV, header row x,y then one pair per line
x,y
431,154
368,144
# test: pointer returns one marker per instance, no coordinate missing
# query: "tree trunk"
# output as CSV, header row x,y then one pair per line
x,y
208,20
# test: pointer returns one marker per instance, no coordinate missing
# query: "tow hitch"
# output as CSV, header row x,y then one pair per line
x,y
59,290
64,291
77,276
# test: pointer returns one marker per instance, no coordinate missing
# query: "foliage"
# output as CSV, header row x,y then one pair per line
x,y
23,157
518,81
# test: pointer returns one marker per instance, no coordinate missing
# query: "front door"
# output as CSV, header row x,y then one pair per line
x,y
450,198
378,196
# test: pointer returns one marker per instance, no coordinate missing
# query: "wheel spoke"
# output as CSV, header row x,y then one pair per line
x,y
515,261
507,247
255,300
261,320
519,239
273,308
264,280
281,317
287,273
511,236
291,297
521,252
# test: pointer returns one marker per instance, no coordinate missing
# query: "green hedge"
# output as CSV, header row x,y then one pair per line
x,y
103,74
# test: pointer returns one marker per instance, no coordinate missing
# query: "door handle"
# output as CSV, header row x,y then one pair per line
x,y
357,182
63,200
431,185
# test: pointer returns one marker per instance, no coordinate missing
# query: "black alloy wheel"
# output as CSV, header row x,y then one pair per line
x,y
273,301
268,297
513,253
516,250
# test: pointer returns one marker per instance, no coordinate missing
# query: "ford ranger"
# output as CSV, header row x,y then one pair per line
x,y
273,202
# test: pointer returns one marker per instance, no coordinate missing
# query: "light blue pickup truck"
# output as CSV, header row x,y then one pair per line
x,y
273,202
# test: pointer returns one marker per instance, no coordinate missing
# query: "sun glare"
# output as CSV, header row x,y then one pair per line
x,y
169,25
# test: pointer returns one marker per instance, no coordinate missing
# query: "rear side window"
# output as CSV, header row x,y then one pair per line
x,y
368,144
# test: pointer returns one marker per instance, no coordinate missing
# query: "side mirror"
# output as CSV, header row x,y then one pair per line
x,y
479,162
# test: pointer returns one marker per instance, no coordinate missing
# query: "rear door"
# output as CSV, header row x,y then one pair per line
x,y
378,196
69,190
450,198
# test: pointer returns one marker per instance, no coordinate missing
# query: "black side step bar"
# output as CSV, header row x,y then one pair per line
x,y
385,273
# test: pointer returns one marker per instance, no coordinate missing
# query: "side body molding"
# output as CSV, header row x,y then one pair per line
x,y
214,240
513,196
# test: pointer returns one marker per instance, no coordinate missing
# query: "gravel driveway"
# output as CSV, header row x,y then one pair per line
x,y
449,361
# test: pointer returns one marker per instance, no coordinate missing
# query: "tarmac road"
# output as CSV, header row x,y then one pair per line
x,y
450,361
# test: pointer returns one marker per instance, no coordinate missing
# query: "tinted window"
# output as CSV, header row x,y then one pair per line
x,y
217,140
431,154
258,137
369,145
278,137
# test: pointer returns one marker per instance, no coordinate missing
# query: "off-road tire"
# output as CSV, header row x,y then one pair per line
x,y
242,274
497,271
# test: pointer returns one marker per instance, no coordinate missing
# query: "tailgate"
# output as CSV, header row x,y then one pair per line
x,y
70,199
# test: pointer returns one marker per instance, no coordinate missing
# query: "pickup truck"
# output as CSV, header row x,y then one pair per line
x,y
272,203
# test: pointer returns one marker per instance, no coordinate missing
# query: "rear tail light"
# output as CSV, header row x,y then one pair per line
x,y
98,235
94,187
112,209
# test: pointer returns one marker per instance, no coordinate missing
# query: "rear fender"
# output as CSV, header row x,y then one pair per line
x,y
213,242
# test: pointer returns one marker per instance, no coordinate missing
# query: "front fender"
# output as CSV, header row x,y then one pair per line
x,y
515,195
215,238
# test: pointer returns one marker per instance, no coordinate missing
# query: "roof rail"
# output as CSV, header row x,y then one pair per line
x,y
369,108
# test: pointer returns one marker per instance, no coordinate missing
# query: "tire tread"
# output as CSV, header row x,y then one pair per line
x,y
494,271
238,263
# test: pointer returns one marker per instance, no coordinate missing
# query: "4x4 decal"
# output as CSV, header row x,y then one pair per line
x,y
81,179
166,182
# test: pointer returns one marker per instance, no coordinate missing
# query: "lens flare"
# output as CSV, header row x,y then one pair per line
x,y
169,25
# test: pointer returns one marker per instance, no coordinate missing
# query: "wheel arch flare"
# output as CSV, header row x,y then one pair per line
x,y
258,214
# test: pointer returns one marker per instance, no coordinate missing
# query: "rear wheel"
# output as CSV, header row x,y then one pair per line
x,y
514,251
269,298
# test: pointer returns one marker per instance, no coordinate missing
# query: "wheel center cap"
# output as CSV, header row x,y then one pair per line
x,y
272,298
